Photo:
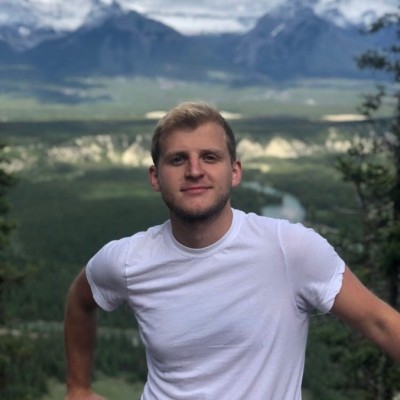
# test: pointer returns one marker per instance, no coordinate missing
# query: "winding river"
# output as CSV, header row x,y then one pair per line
x,y
290,207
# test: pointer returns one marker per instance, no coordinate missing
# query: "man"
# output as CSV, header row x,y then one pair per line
x,y
222,298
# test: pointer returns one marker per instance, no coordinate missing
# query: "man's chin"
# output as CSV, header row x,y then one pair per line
x,y
193,215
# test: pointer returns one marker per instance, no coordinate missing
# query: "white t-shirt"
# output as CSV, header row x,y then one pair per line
x,y
229,321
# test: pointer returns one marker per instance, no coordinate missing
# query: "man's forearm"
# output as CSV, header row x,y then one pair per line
x,y
386,331
80,329
79,335
368,314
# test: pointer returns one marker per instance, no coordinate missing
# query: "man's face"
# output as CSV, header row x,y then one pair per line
x,y
195,173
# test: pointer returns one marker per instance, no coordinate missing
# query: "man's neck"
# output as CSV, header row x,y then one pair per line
x,y
200,234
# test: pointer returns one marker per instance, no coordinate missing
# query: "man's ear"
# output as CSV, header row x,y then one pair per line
x,y
153,178
236,173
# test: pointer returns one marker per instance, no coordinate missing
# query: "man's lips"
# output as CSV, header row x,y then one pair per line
x,y
195,189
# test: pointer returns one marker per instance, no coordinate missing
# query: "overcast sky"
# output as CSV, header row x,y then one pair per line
x,y
186,16
239,15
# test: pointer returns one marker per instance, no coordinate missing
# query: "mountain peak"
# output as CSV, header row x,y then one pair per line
x,y
294,40
292,8
100,12
191,18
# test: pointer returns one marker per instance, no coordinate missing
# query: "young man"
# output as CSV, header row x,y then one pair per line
x,y
222,298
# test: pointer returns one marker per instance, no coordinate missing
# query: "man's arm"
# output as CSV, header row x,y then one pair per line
x,y
79,336
369,315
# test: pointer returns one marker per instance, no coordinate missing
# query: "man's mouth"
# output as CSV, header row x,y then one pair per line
x,y
195,189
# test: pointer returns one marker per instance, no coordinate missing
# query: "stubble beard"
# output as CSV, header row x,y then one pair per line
x,y
188,216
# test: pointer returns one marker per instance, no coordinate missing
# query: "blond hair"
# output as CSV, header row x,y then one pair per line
x,y
190,115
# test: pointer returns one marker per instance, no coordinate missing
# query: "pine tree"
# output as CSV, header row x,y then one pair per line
x,y
20,377
7,275
372,165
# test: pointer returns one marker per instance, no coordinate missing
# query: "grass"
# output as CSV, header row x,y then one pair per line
x,y
114,389
110,388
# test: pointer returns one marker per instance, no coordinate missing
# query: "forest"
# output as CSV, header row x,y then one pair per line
x,y
64,212
67,187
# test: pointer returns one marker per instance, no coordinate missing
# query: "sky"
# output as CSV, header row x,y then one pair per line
x,y
236,15
186,16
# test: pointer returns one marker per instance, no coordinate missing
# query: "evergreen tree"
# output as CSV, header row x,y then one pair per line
x,y
372,165
7,275
20,377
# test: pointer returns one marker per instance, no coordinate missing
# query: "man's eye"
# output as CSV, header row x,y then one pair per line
x,y
177,160
210,158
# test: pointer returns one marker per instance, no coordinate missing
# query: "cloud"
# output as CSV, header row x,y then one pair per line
x,y
356,11
241,15
187,17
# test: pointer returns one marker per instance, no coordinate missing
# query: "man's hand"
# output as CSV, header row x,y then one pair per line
x,y
83,395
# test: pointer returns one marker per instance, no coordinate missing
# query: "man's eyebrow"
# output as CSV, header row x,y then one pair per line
x,y
217,152
201,151
212,150
176,153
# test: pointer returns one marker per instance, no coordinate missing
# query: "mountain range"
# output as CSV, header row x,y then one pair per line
x,y
288,43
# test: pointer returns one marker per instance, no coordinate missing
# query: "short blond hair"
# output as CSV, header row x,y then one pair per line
x,y
189,115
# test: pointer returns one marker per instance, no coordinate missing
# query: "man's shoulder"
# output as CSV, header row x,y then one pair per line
x,y
137,238
280,228
256,219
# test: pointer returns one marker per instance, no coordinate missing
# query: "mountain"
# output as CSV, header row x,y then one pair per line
x,y
190,18
26,23
288,43
7,54
297,44
123,45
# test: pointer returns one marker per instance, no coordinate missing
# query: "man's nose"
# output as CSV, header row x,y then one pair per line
x,y
194,168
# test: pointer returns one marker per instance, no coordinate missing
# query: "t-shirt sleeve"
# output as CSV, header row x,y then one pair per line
x,y
106,274
315,270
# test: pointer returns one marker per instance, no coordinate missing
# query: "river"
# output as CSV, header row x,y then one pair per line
x,y
290,207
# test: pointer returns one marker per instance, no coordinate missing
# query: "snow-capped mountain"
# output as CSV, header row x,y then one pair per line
x,y
31,21
26,23
290,41
295,41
